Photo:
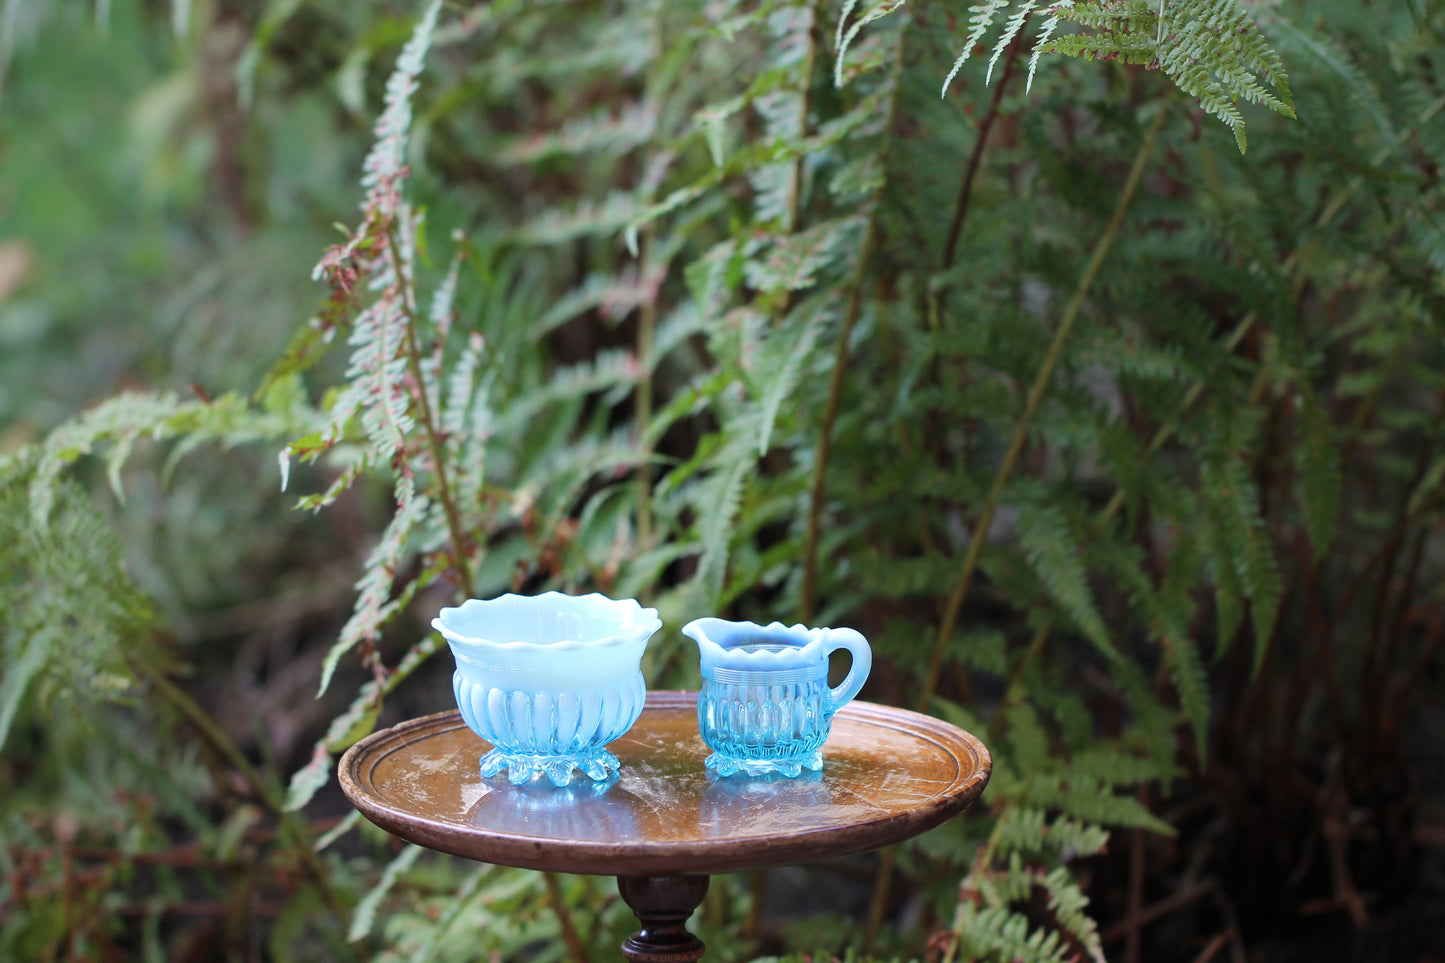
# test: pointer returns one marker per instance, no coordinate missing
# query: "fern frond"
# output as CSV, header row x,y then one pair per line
x,y
609,131
998,933
1046,33
792,261
375,606
1119,766
842,41
980,18
1242,536
779,368
1211,49
585,219
364,916
117,424
355,722
72,613
1020,830
386,163
1076,840
1069,905
1209,39
1186,671
1008,34
1088,800
1049,546
719,498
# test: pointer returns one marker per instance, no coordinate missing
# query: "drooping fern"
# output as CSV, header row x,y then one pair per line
x,y
73,614
383,391
1211,49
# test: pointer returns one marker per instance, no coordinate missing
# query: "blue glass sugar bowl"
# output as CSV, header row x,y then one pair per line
x,y
765,706
548,679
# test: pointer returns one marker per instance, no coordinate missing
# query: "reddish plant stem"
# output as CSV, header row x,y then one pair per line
x,y
428,420
975,159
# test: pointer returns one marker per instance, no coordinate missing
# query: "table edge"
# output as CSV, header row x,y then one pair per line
x,y
652,859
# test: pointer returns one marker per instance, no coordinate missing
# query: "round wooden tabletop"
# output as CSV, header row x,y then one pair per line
x,y
888,774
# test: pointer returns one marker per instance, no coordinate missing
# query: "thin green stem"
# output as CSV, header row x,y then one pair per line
x,y
805,107
967,569
564,919
646,326
981,862
808,597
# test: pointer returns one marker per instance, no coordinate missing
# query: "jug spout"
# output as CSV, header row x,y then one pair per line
x,y
703,631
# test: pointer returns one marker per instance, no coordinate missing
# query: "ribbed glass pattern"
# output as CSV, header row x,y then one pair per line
x,y
762,721
542,722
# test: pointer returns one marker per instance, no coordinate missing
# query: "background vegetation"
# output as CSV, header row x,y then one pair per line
x,y
1121,443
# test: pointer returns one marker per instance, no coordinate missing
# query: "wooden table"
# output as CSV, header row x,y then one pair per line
x,y
664,823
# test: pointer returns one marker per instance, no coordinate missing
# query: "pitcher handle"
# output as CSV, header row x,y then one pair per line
x,y
854,642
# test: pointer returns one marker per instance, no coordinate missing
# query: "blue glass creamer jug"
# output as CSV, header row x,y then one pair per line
x,y
548,679
765,706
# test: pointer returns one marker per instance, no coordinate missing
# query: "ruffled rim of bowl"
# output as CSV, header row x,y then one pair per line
x,y
642,631
761,658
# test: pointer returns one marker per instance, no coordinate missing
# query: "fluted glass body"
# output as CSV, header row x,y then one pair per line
x,y
765,706
548,680
764,715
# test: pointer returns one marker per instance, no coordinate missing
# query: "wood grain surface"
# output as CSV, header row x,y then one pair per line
x,y
888,774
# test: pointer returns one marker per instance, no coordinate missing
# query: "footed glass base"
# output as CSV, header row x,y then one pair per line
x,y
792,766
596,763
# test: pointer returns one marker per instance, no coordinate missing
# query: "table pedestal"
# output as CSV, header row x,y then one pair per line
x,y
662,904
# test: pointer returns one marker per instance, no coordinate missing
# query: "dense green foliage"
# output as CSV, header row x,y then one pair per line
x,y
1122,445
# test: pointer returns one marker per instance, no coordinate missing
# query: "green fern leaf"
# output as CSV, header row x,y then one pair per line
x,y
1069,905
1186,671
1120,767
1228,596
1076,840
842,41
998,933
1008,34
1087,800
20,671
1020,829
980,18
779,370
364,916
1046,33
1049,546
1243,538
719,498
792,262
354,723
375,606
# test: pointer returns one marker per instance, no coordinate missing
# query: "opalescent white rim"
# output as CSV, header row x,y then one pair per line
x,y
809,643
646,620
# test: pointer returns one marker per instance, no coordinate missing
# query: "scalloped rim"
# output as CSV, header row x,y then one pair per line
x,y
760,659
643,630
